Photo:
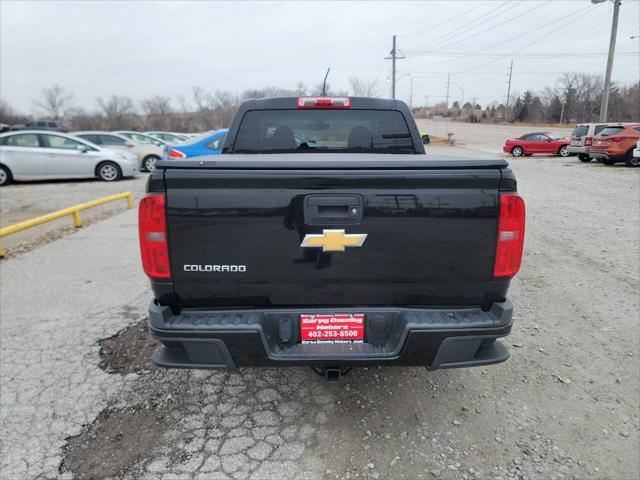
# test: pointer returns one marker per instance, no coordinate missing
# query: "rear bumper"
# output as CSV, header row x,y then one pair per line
x,y
607,154
577,149
435,338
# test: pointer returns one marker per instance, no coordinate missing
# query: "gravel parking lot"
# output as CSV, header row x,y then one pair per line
x,y
80,399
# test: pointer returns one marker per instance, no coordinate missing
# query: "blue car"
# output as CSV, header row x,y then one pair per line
x,y
209,143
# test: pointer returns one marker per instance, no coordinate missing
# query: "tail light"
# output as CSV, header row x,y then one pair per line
x,y
510,235
153,237
588,141
173,153
324,102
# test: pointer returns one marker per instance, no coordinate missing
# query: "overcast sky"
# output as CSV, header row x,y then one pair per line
x,y
99,48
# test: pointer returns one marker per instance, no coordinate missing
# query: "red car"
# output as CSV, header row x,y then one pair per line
x,y
537,142
616,144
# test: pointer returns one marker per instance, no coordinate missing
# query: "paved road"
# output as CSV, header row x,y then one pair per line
x,y
566,405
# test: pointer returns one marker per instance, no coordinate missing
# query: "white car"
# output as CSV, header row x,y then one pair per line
x,y
142,138
44,155
148,153
636,151
168,137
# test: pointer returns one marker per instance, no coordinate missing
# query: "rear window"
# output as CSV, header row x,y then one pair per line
x,y
216,144
580,131
90,138
609,131
598,128
324,131
112,140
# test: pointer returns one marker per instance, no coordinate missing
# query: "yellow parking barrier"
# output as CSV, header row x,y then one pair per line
x,y
73,211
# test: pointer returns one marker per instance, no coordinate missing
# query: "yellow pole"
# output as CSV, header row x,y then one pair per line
x,y
74,211
76,219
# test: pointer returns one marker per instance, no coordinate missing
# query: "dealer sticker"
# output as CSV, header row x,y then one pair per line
x,y
332,328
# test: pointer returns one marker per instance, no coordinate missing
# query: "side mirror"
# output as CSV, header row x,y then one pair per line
x,y
157,143
84,149
129,144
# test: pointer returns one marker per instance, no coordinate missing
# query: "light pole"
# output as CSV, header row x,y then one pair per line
x,y
398,78
604,106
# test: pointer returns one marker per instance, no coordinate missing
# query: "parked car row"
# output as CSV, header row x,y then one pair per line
x,y
57,126
609,142
48,154
44,155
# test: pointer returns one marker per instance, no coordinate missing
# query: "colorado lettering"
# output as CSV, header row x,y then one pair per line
x,y
216,268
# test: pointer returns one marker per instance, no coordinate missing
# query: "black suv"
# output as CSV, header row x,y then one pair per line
x,y
42,125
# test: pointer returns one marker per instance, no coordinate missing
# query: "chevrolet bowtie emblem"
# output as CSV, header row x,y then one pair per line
x,y
333,240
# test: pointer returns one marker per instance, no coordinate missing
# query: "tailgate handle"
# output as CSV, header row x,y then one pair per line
x,y
333,209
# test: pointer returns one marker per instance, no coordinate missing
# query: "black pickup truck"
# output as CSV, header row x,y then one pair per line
x,y
323,236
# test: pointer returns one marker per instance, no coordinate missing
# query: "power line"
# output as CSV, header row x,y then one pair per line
x,y
520,35
572,20
518,73
532,55
445,22
492,27
458,30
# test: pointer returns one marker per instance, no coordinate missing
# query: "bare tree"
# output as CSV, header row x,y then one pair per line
x,y
9,115
54,101
363,88
301,90
226,106
317,90
158,112
118,112
80,119
205,106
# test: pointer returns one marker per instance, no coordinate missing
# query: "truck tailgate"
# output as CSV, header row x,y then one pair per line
x,y
235,230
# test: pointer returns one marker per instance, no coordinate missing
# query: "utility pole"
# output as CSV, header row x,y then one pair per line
x,y
394,56
604,107
509,87
426,101
564,101
411,95
448,85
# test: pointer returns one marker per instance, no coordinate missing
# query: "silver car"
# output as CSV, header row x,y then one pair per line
x,y
168,137
148,153
44,155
